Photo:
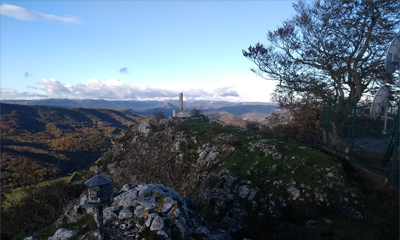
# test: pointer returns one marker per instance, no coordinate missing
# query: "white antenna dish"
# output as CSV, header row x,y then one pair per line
x,y
380,103
393,56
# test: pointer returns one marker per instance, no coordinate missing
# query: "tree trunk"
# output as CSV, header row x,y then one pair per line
x,y
340,113
336,133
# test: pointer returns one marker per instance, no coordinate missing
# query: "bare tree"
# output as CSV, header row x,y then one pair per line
x,y
329,49
158,115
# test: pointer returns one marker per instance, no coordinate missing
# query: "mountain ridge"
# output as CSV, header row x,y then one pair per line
x,y
254,111
131,104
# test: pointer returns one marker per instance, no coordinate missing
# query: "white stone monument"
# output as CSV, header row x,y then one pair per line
x,y
180,113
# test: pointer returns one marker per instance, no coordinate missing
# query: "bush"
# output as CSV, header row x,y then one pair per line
x,y
252,125
266,129
298,133
196,112
39,207
158,115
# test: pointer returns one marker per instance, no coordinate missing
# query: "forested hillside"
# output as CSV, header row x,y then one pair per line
x,y
45,142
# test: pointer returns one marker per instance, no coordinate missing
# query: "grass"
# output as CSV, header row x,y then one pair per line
x,y
381,219
18,193
308,166
83,225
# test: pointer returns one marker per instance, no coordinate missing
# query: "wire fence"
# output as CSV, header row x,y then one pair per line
x,y
372,144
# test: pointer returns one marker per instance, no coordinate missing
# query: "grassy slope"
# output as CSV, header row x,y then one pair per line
x,y
310,167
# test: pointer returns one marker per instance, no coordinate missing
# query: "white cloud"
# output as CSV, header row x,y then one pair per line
x,y
113,82
113,89
24,14
94,84
225,92
9,93
53,87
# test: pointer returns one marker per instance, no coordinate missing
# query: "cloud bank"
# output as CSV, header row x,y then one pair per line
x,y
8,94
21,13
114,89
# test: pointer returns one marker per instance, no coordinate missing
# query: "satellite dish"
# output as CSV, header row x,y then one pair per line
x,y
380,103
393,55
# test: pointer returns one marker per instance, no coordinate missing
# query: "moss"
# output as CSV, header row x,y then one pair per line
x,y
76,176
145,214
160,200
173,209
148,194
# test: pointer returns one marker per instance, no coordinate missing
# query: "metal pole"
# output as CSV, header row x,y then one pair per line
x,y
395,144
100,222
352,124
328,141
385,123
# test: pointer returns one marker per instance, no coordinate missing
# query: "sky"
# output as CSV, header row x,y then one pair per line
x,y
135,50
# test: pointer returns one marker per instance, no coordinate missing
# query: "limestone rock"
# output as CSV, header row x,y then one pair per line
x,y
157,224
145,128
243,191
139,211
294,193
31,238
311,224
349,212
108,215
63,234
124,214
155,208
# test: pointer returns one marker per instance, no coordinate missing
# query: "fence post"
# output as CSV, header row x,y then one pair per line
x,y
326,119
353,115
395,144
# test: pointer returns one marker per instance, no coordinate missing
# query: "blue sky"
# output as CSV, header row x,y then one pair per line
x,y
135,49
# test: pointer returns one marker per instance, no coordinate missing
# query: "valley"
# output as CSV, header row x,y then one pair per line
x,y
56,141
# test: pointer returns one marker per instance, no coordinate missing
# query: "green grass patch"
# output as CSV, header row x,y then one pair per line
x,y
84,224
43,234
17,194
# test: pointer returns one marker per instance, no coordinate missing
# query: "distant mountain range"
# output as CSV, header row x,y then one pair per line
x,y
255,111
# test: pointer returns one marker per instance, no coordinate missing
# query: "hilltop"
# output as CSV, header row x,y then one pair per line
x,y
248,184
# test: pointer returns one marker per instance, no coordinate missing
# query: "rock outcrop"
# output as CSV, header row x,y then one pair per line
x,y
141,211
63,234
235,177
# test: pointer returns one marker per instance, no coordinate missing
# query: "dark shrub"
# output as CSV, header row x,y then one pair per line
x,y
158,115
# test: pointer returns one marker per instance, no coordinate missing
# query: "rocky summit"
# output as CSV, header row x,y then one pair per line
x,y
194,179
144,211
